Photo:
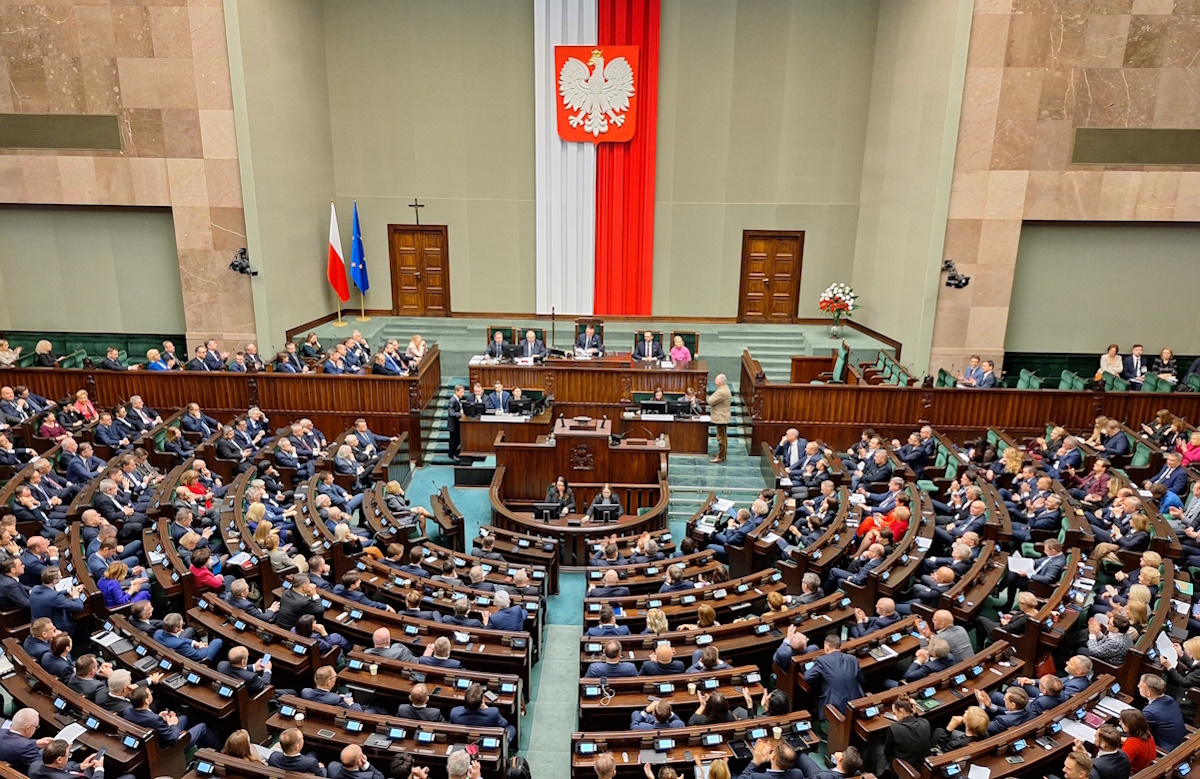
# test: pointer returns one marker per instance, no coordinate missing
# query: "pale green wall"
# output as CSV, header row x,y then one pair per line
x,y
435,101
908,164
761,122
1069,293
89,269
277,62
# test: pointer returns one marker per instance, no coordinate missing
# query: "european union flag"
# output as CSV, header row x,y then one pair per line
x,y
358,259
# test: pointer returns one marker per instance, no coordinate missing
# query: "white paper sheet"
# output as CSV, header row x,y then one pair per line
x,y
1017,564
1166,649
721,505
1076,729
979,772
71,732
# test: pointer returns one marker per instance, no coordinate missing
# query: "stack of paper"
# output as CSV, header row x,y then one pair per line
x,y
721,505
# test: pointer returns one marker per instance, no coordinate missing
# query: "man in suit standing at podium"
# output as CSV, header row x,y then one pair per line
x,y
590,342
496,347
718,411
454,412
648,349
533,347
498,400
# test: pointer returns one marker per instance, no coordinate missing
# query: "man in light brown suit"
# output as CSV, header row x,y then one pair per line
x,y
718,411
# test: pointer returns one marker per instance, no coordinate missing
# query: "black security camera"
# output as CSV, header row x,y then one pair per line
x,y
241,263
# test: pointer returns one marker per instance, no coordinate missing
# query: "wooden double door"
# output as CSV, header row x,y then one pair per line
x,y
770,288
420,264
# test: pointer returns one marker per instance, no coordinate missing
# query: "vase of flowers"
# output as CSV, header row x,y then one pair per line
x,y
838,302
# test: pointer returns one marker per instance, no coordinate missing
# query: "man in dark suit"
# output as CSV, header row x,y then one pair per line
x,y
56,764
1048,570
171,636
112,361
1135,365
18,747
46,601
41,633
293,359
200,361
238,597
1162,713
608,625
849,763
772,762
532,346
499,399
589,341
913,454
936,657
612,666
354,765
84,681
26,509
253,361
610,588
648,349
461,616
885,617
238,364
1110,761
166,724
840,676
507,615
1172,475
1013,713
257,677
876,470
418,707
413,609
382,646
454,413
289,758
662,662
300,599
989,380
476,713
496,347
325,678
13,594
438,654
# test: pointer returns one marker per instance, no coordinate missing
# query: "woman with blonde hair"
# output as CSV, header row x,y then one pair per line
x,y
1097,436
186,545
963,730
279,557
656,622
116,592
8,357
155,362
679,351
416,348
45,355
84,407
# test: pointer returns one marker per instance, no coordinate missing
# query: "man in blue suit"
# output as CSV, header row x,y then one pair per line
x,y
18,747
1162,713
913,454
885,617
13,594
648,349
840,676
507,616
989,380
474,712
107,433
1013,713
1048,570
1172,475
166,724
351,590
608,625
437,654
214,358
325,678
791,448
86,466
1067,457
976,519
46,601
171,636
37,556
612,666
610,588
499,399
589,341
849,763
936,657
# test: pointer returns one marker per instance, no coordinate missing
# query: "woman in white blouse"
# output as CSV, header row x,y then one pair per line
x,y
1111,362
416,348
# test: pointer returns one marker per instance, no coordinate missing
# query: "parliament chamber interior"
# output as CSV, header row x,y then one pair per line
x,y
599,389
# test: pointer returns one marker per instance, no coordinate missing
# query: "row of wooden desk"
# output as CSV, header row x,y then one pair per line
x,y
481,435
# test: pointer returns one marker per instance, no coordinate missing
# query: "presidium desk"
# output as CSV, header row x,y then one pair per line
x,y
582,453
598,388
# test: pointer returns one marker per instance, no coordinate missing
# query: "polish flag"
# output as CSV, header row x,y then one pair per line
x,y
335,270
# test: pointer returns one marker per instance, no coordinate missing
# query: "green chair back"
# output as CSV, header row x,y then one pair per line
x,y
1065,382
581,326
1141,456
510,332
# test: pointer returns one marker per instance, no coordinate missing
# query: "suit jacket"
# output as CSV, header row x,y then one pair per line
x,y
255,682
654,668
88,688
933,665
109,364
500,403
987,382
1132,372
496,349
858,630
1048,570
643,352
480,718
293,605
1174,480
608,670
394,652
763,771
536,349
15,595
299,763
1008,719
1114,765
168,735
18,751
1166,722
327,697
597,592
512,618
841,680
196,364
584,342
423,713
873,474
604,631
909,739
439,662
203,424
58,606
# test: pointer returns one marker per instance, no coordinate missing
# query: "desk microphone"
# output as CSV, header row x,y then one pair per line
x,y
648,433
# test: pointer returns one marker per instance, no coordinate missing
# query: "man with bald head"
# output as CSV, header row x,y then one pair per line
x,y
610,588
794,643
790,451
381,645
955,636
929,593
662,662
885,617
946,536
354,765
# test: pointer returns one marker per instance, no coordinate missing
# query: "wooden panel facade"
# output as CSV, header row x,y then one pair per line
x,y
391,405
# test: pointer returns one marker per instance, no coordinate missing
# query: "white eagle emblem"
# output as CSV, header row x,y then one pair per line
x,y
599,95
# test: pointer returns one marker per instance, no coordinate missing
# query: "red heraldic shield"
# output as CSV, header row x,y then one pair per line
x,y
597,92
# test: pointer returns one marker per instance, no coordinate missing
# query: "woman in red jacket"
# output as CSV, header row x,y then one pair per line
x,y
204,577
